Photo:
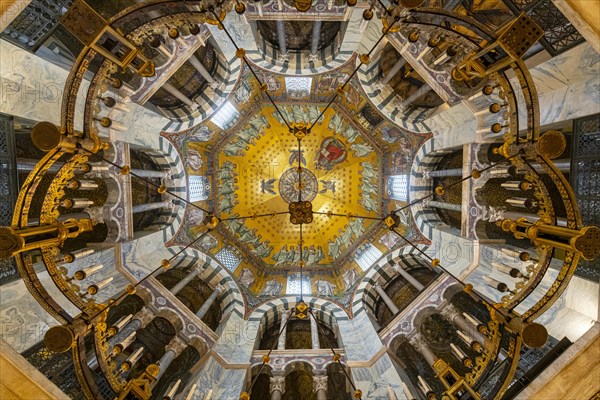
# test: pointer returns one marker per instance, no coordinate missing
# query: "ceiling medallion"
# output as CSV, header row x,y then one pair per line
x,y
293,184
302,5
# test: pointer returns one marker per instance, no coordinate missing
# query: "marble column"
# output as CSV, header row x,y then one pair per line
x,y
178,94
150,206
277,387
28,164
138,321
461,322
418,93
172,351
409,278
150,174
393,71
281,37
444,172
183,283
422,347
314,333
209,302
386,299
443,205
282,331
200,68
314,40
320,386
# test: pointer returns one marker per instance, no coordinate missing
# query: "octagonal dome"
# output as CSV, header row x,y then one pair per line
x,y
341,174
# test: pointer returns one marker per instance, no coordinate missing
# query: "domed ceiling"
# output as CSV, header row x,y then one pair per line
x,y
250,170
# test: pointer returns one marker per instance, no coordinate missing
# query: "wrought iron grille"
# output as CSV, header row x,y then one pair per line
x,y
585,180
8,189
559,34
58,367
35,23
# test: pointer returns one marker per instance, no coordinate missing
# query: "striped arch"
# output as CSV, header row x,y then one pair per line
x,y
329,58
383,271
227,74
271,311
168,159
426,159
388,102
213,274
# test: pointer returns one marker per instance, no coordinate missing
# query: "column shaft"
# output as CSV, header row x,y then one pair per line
x,y
409,278
150,206
281,342
165,361
209,302
177,93
444,205
183,283
314,40
200,68
386,299
393,71
420,92
150,174
314,333
281,37
445,172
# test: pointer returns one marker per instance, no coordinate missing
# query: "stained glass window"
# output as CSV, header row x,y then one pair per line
x,y
293,284
228,259
199,188
367,255
298,86
225,116
398,187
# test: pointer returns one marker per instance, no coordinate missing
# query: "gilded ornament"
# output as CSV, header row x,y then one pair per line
x,y
161,189
125,169
364,58
240,8
368,14
59,339
266,359
552,144
240,53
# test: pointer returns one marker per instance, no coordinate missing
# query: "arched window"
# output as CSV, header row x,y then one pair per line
x,y
199,188
294,283
225,116
228,258
366,256
397,186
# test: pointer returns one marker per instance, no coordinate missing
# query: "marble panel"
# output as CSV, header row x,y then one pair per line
x,y
375,380
32,88
23,322
453,126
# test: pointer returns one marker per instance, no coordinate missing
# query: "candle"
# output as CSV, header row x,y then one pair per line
x,y
391,395
173,390
464,337
491,281
91,270
424,386
135,356
190,394
407,392
457,352
471,319
123,321
104,282
81,202
208,395
86,185
502,267
510,253
81,253
128,340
